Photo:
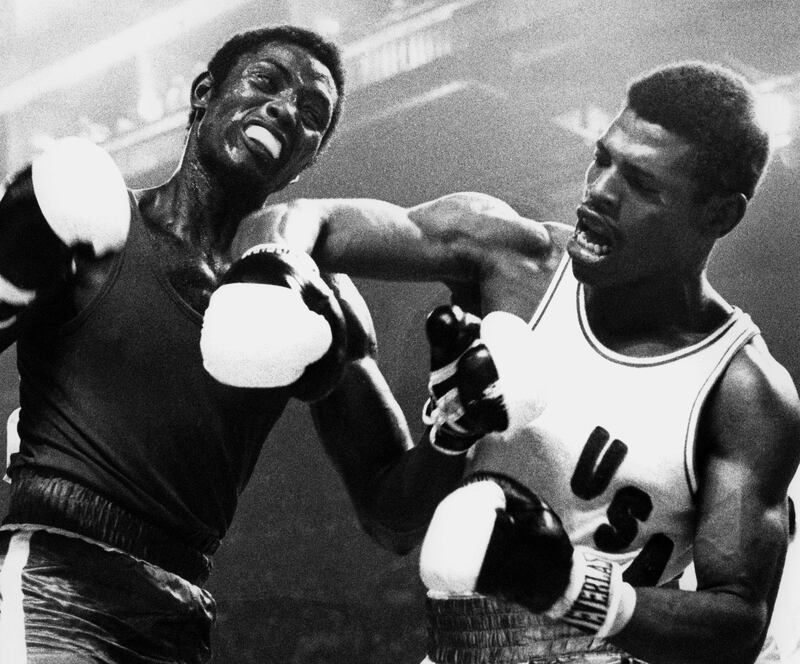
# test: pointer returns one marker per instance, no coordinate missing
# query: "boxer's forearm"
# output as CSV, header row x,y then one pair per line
x,y
361,237
405,495
672,625
739,553
394,486
452,238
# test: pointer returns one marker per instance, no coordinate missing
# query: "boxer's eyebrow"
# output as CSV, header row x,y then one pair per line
x,y
287,72
631,171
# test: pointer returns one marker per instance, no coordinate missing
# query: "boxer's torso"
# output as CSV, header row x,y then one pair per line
x,y
116,398
614,451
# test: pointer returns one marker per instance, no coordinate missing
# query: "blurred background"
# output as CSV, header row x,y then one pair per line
x,y
501,96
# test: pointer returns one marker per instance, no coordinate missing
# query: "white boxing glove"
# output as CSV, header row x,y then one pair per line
x,y
483,377
494,537
508,339
82,195
274,322
72,194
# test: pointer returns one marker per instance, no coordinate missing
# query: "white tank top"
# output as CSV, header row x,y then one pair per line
x,y
613,452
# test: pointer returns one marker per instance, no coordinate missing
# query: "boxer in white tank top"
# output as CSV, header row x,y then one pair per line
x,y
665,430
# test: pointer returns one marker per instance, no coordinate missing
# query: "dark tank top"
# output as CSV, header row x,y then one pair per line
x,y
117,399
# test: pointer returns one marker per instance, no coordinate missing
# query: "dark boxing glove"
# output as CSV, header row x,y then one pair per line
x,y
71,195
482,377
462,405
274,322
496,538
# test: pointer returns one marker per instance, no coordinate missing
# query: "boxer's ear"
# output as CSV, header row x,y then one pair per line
x,y
722,213
201,91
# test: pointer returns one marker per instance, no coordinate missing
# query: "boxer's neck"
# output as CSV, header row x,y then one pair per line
x,y
650,318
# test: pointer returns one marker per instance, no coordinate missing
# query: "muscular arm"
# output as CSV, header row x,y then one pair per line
x,y
460,239
751,433
488,255
394,486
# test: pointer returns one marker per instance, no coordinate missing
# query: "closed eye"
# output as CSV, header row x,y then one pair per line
x,y
265,82
640,183
314,110
313,118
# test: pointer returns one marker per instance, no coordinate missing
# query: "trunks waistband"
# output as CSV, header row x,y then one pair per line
x,y
37,498
477,629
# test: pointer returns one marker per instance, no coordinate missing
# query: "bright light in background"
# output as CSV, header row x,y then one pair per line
x,y
327,26
100,56
775,113
149,106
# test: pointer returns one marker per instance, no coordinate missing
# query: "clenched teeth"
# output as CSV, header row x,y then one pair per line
x,y
265,138
582,238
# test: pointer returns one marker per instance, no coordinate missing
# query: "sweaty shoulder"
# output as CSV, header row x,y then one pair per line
x,y
755,414
515,278
757,380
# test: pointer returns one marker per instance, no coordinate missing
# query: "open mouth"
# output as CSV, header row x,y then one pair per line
x,y
265,139
591,233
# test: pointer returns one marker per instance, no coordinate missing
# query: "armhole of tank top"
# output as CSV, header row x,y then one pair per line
x,y
550,292
195,317
145,253
114,270
740,333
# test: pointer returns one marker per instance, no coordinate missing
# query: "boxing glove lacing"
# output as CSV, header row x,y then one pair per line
x,y
441,412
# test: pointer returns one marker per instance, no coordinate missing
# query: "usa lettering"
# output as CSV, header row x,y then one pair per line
x,y
598,464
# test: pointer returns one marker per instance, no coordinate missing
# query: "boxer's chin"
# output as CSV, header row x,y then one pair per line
x,y
589,268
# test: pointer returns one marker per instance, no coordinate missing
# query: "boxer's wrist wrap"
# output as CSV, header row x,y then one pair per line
x,y
443,410
283,250
445,436
596,600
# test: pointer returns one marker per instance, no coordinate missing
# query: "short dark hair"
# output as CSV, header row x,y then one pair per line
x,y
251,40
713,108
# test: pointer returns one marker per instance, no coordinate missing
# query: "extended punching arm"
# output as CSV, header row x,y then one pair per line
x,y
453,238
